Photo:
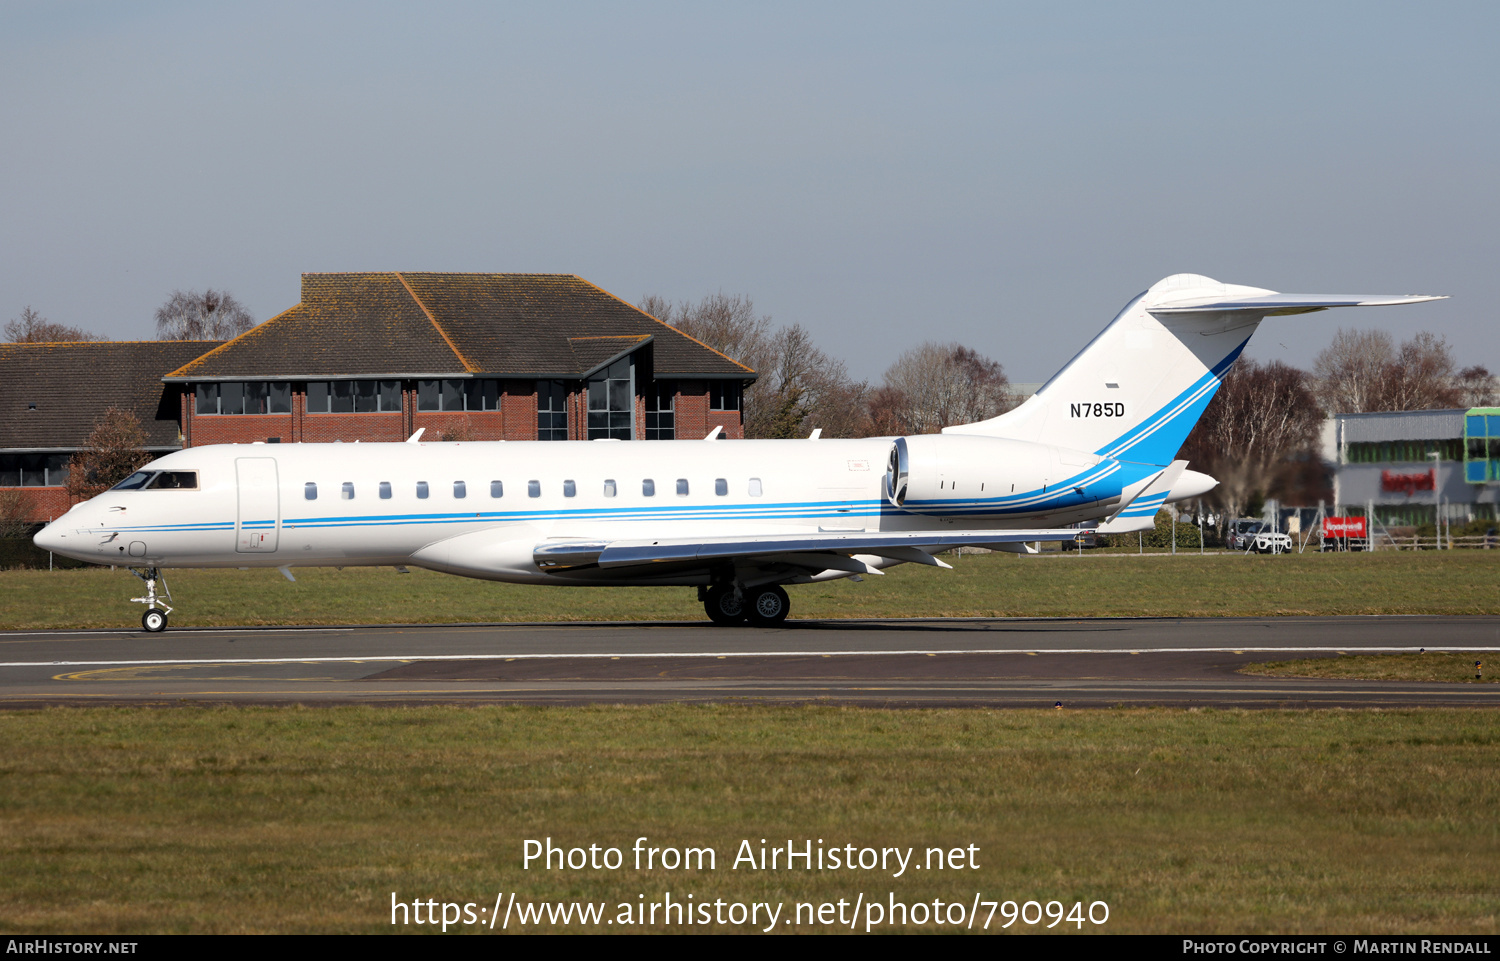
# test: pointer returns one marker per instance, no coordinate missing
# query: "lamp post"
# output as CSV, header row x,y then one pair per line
x,y
1437,494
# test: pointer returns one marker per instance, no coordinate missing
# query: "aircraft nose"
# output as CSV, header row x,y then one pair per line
x,y
51,538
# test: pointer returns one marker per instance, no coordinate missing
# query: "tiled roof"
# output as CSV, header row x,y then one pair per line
x,y
505,325
72,384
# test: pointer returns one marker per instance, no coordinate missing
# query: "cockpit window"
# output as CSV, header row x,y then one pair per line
x,y
135,481
181,480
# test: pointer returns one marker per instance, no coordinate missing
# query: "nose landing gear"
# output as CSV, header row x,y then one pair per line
x,y
155,618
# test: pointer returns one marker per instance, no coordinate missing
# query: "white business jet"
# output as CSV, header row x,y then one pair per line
x,y
737,520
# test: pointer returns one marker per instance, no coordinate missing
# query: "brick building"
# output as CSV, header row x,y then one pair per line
x,y
51,395
378,356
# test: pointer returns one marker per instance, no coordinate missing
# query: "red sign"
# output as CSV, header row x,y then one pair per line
x,y
1407,483
1343,527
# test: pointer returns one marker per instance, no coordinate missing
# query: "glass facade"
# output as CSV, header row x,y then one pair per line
x,y
551,410
1482,445
353,396
461,395
252,397
34,470
661,414
612,401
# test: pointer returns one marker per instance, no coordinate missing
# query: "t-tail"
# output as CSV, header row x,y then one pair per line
x,y
1135,392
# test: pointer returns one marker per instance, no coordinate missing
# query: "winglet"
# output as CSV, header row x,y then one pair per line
x,y
714,434
414,437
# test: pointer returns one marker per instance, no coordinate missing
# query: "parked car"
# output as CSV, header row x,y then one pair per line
x,y
1258,537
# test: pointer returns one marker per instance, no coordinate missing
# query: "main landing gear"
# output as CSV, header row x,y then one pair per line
x,y
155,618
761,606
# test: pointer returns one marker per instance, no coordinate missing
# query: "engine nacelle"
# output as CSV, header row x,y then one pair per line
x,y
939,473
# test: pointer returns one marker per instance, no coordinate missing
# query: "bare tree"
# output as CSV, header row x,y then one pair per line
x,y
799,387
210,315
15,514
1363,371
115,449
1476,387
938,385
1253,432
32,328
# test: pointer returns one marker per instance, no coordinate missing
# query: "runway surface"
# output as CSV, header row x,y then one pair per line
x,y
898,663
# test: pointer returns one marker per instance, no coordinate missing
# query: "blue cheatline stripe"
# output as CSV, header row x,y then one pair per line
x,y
1158,438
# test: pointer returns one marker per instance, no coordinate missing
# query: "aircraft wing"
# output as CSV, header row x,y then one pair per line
x,y
830,550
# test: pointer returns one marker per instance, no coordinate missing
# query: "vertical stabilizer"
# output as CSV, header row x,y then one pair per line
x,y
1138,388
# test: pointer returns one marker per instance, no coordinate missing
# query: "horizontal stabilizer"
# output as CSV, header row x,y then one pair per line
x,y
1139,513
1274,305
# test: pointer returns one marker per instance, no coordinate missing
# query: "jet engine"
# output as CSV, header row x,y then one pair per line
x,y
945,473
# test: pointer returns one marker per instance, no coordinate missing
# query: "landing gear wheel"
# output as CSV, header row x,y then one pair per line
x,y
769,606
723,607
154,621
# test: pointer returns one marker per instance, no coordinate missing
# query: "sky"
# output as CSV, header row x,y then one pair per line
x,y
1001,175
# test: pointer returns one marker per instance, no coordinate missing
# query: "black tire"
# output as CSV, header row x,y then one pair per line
x,y
723,607
154,621
768,607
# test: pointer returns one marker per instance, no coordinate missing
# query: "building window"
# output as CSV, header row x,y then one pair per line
x,y
459,395
551,410
612,401
33,470
724,395
661,415
254,397
353,396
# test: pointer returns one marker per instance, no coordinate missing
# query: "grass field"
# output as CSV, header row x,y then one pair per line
x,y
307,820
1458,582
1429,666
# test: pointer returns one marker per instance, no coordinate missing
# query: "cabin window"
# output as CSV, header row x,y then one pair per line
x,y
497,489
460,490
648,488
134,482
533,488
721,487
310,491
385,490
609,488
421,490
347,492
551,410
682,487
458,395
755,487
570,489
173,480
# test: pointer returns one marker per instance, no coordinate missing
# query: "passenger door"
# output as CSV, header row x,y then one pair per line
x,y
259,517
